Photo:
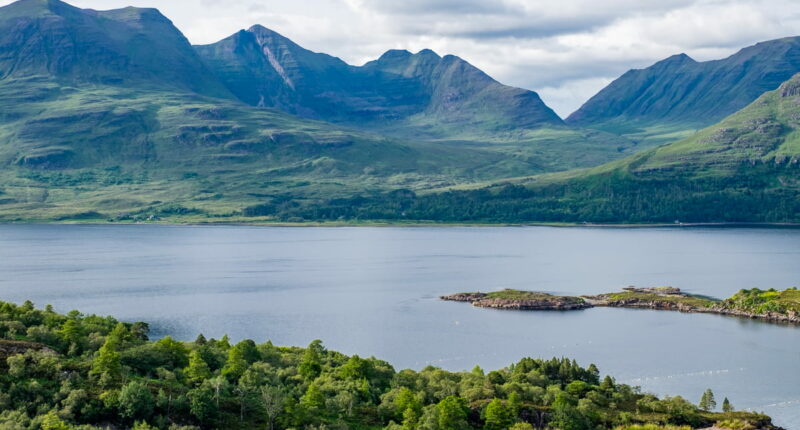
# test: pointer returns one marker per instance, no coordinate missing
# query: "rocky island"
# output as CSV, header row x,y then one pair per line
x,y
521,300
767,305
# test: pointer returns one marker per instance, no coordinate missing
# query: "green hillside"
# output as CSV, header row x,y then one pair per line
x,y
113,115
744,169
679,95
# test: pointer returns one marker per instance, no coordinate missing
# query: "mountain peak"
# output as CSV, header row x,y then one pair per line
x,y
395,53
428,53
676,59
32,8
262,31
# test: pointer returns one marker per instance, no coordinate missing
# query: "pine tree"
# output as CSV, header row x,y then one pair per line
x,y
727,406
707,402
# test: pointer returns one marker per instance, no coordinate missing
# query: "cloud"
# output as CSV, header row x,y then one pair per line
x,y
565,50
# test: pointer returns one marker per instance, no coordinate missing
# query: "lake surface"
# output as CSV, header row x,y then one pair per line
x,y
373,291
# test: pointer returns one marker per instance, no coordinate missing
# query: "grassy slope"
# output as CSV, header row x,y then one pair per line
x,y
759,301
95,151
744,169
679,94
108,149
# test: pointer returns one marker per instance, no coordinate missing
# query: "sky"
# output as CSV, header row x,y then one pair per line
x,y
566,50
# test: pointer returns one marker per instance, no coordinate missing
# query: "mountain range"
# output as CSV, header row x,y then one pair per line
x,y
263,68
115,115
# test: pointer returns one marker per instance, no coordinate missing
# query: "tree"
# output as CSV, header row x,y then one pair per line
x,y
452,413
514,404
521,426
707,402
313,400
135,401
236,364
173,351
726,405
53,422
107,365
497,415
565,416
311,363
198,369
272,400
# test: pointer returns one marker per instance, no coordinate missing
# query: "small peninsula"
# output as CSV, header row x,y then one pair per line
x,y
767,305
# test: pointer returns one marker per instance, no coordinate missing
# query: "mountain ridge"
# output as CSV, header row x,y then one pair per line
x,y
396,86
680,90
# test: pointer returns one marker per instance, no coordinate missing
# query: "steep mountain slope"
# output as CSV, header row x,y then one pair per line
x,y
744,169
264,68
680,93
128,46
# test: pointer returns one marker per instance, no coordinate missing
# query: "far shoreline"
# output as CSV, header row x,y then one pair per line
x,y
416,224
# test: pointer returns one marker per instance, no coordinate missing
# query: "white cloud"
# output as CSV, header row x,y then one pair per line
x,y
566,51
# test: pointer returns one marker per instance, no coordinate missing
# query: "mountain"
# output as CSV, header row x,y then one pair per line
x,y
681,93
264,68
128,46
745,169
114,115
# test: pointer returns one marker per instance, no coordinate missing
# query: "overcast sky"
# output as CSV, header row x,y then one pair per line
x,y
565,49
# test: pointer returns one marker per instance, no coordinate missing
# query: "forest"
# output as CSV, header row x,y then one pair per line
x,y
76,371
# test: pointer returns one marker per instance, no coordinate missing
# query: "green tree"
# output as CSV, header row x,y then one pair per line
x,y
174,352
72,333
201,402
707,401
136,402
497,415
452,413
107,365
51,421
236,364
521,426
312,401
726,405
272,400
198,369
514,404
311,363
565,416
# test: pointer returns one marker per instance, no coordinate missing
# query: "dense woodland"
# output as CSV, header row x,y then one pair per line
x,y
79,371
594,199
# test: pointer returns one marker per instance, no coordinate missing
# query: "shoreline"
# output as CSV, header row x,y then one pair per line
x,y
341,224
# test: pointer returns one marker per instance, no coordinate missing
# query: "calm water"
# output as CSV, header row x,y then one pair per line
x,y
373,291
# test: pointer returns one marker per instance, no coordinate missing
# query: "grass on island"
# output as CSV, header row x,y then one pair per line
x,y
511,294
686,299
760,301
